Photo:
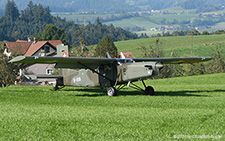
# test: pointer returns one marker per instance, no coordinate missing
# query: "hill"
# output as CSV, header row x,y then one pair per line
x,y
193,104
154,22
116,6
180,44
33,20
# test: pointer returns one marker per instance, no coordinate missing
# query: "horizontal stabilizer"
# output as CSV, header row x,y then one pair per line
x,y
34,77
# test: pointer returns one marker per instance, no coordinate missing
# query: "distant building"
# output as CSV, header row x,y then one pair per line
x,y
34,48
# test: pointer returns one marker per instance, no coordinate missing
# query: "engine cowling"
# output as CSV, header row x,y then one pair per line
x,y
139,70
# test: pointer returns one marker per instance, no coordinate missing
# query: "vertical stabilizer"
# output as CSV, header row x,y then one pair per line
x,y
62,51
122,55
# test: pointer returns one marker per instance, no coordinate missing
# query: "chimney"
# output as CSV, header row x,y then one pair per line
x,y
29,39
35,41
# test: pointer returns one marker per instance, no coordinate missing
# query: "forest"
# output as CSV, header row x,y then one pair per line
x,y
32,20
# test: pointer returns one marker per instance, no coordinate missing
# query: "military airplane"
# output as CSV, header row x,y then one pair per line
x,y
111,73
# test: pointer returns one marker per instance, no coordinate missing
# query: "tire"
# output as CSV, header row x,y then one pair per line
x,y
149,91
111,91
55,88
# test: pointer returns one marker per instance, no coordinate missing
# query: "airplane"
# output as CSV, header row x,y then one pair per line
x,y
111,73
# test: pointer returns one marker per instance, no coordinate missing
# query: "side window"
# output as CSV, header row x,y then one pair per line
x,y
47,49
49,71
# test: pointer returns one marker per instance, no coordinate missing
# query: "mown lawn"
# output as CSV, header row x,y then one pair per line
x,y
187,107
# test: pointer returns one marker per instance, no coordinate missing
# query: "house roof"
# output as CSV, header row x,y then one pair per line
x,y
19,47
29,48
55,42
33,48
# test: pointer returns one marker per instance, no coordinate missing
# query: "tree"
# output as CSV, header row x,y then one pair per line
x,y
106,45
11,11
169,70
79,49
51,32
205,33
220,32
28,13
153,50
35,17
194,32
217,65
8,71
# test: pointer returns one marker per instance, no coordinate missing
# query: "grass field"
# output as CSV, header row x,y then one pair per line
x,y
181,45
132,22
187,108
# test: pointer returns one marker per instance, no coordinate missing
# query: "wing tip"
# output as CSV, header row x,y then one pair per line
x,y
17,59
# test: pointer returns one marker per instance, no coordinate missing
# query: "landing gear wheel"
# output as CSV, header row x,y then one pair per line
x,y
55,88
111,91
149,91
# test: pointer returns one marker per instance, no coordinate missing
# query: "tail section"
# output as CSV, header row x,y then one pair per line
x,y
122,55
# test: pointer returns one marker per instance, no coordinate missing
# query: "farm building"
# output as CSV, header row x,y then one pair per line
x,y
34,48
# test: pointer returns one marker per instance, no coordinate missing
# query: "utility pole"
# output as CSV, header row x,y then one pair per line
x,y
191,42
157,46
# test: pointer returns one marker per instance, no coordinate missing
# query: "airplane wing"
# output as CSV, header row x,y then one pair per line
x,y
91,62
177,60
64,62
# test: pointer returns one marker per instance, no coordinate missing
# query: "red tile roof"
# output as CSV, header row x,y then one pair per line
x,y
55,42
18,47
29,48
33,48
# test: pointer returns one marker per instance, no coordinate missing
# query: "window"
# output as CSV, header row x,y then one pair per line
x,y
47,49
49,71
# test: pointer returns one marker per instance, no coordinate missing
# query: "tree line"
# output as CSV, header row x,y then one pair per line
x,y
32,21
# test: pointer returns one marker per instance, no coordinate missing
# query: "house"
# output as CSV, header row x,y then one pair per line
x,y
34,48
127,55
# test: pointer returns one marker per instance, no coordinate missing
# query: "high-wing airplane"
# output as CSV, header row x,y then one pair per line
x,y
111,73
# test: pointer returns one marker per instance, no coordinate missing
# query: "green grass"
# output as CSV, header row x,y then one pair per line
x,y
182,106
181,45
219,26
132,22
170,18
179,9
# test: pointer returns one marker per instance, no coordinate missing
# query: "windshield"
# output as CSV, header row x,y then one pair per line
x,y
126,60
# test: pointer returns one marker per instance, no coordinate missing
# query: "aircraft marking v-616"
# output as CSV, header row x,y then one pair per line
x,y
111,73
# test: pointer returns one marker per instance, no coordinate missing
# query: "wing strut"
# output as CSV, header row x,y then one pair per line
x,y
94,71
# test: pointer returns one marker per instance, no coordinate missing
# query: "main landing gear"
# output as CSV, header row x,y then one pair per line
x,y
57,87
149,90
111,91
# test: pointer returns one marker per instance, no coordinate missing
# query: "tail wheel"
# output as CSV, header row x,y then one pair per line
x,y
149,90
111,91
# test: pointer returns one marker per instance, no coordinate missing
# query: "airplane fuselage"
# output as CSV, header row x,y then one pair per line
x,y
122,72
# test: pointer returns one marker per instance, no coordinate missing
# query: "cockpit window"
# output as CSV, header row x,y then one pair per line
x,y
149,67
126,60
